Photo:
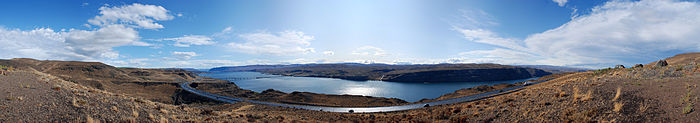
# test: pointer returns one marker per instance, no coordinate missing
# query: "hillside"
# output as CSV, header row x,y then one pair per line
x,y
405,73
153,84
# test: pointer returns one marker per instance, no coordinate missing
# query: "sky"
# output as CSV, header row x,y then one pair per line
x,y
206,34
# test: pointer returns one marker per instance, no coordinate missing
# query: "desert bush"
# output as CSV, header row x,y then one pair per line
x,y
688,108
602,71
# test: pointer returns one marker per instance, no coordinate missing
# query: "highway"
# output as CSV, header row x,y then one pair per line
x,y
186,86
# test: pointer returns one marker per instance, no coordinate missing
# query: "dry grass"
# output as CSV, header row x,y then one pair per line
x,y
78,102
588,96
617,94
114,109
582,97
163,120
576,94
89,119
618,106
643,107
134,113
10,97
151,117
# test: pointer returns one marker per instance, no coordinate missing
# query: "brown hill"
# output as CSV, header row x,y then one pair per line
x,y
153,84
685,58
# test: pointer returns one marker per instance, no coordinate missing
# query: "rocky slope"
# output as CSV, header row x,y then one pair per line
x,y
153,84
409,73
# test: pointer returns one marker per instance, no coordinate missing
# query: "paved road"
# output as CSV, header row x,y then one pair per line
x,y
186,86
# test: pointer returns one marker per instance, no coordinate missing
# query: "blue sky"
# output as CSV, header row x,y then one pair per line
x,y
204,34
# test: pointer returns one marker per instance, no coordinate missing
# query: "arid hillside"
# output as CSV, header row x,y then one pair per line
x,y
153,84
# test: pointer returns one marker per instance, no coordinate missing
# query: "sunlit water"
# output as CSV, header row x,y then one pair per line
x,y
411,92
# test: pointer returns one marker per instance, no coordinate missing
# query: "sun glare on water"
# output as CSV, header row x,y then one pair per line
x,y
364,91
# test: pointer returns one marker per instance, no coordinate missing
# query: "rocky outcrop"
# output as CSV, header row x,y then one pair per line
x,y
661,63
638,66
619,66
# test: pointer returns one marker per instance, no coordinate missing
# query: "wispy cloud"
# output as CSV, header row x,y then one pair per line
x,y
188,40
369,51
184,55
560,2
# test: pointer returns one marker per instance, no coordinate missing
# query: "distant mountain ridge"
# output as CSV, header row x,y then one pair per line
x,y
398,73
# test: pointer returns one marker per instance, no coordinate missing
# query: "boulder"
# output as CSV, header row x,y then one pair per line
x,y
661,63
619,66
638,66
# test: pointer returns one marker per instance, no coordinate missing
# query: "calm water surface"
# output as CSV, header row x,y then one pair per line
x,y
411,92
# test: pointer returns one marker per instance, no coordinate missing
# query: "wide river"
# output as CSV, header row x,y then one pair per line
x,y
410,92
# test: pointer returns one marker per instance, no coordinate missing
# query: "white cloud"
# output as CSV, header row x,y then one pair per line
x,y
99,43
560,2
188,40
283,43
328,52
45,43
42,43
75,44
184,55
369,51
143,16
612,33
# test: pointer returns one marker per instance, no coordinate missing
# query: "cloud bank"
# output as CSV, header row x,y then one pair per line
x,y
116,27
613,33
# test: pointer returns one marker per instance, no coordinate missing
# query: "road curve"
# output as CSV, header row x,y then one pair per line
x,y
186,86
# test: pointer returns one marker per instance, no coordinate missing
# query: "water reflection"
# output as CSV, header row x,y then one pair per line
x,y
359,90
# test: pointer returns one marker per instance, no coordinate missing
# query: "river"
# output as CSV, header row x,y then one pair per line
x,y
410,92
